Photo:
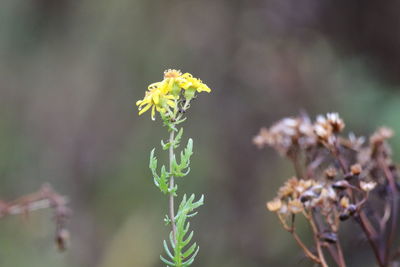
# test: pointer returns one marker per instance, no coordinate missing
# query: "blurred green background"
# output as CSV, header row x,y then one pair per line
x,y
71,72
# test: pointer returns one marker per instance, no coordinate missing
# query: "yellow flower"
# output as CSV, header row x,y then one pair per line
x,y
172,73
165,94
190,82
157,98
172,79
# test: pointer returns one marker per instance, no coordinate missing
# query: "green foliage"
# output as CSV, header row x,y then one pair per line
x,y
161,181
180,249
178,170
183,169
181,254
178,138
176,142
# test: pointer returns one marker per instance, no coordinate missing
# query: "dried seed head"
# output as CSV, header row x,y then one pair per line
x,y
295,206
322,132
287,133
308,195
62,239
329,237
344,202
353,142
330,173
340,185
367,186
335,121
274,205
381,135
356,169
352,209
262,138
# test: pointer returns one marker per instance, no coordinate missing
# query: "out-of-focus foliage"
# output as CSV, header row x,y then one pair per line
x,y
71,71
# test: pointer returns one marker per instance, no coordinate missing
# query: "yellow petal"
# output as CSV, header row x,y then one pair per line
x,y
153,113
144,109
187,75
186,85
170,84
206,88
143,102
171,103
156,98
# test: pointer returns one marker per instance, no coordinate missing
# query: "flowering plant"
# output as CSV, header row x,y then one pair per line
x,y
337,178
171,98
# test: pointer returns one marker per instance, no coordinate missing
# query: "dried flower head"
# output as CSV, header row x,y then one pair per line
x,y
353,142
330,173
295,206
287,134
335,122
326,127
274,205
356,169
260,140
367,186
344,202
339,192
381,135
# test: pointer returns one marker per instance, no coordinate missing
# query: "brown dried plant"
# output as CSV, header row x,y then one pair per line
x,y
45,198
337,178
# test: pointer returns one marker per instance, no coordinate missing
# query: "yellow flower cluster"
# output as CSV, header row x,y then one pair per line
x,y
164,95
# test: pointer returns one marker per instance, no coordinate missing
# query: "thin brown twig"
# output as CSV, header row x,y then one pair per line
x,y
294,156
316,238
394,208
342,261
291,230
364,222
46,197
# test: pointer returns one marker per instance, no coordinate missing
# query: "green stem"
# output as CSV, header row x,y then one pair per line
x,y
171,186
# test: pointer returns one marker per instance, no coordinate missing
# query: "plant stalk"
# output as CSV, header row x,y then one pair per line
x,y
171,186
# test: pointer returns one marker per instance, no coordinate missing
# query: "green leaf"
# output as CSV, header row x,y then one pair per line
x,y
190,250
188,239
161,181
167,261
182,169
167,250
165,146
190,261
180,255
178,138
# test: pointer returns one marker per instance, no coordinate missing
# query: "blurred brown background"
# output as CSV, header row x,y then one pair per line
x,y
71,72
